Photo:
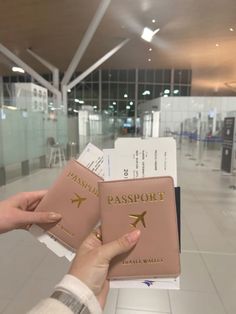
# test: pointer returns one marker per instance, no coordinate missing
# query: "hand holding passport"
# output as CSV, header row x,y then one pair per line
x,y
83,198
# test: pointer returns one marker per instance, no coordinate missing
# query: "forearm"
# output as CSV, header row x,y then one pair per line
x,y
69,291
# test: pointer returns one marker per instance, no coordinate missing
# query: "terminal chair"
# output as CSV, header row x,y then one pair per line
x,y
56,153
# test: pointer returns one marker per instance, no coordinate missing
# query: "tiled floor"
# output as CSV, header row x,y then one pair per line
x,y
28,271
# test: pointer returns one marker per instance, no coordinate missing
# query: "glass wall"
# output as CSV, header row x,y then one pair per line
x,y
118,88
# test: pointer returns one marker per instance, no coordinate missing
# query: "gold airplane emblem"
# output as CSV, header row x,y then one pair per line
x,y
138,219
78,200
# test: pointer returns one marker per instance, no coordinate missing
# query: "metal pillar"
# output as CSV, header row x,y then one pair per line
x,y
97,64
1,92
136,101
29,70
86,40
64,97
172,82
100,90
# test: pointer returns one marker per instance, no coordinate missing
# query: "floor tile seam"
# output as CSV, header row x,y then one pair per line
x,y
204,263
213,283
194,291
141,310
207,270
208,252
25,281
117,300
170,304
4,308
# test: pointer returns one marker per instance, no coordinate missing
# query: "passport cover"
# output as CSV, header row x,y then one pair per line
x,y
147,204
75,196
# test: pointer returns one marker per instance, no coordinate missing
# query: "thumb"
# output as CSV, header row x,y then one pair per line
x,y
119,246
38,217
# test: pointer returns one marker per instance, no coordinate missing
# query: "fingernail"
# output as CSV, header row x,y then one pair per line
x,y
54,216
133,236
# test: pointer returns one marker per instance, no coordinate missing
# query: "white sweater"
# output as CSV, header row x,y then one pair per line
x,y
74,286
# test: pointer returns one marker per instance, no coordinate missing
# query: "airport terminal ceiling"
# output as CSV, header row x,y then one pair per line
x,y
194,34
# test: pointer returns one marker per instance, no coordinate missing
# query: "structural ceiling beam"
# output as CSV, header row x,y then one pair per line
x,y
29,70
51,67
85,41
97,64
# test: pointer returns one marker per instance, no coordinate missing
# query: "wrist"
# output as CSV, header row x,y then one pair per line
x,y
79,290
71,301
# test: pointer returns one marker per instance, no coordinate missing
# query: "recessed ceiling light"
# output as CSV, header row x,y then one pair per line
x,y
231,29
17,69
148,33
217,45
153,21
150,49
146,92
149,60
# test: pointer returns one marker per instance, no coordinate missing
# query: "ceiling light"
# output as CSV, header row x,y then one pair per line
x,y
149,60
131,103
165,96
148,33
150,49
114,103
176,91
79,101
127,107
95,107
217,45
153,21
231,29
75,110
125,95
146,92
11,107
166,91
69,90
17,69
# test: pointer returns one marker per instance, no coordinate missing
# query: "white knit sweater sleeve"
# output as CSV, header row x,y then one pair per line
x,y
77,288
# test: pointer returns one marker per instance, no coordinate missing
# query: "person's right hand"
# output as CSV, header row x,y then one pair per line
x,y
92,261
17,211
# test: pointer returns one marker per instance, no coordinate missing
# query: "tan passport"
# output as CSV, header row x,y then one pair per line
x,y
149,205
75,196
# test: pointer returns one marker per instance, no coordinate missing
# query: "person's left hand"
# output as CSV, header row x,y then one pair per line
x,y
17,212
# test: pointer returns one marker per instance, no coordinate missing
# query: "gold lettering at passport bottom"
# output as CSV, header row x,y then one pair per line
x,y
139,218
149,261
65,230
78,200
83,183
126,199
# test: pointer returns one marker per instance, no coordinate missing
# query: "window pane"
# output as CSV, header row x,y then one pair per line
x,y
141,76
159,76
123,76
131,75
150,76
